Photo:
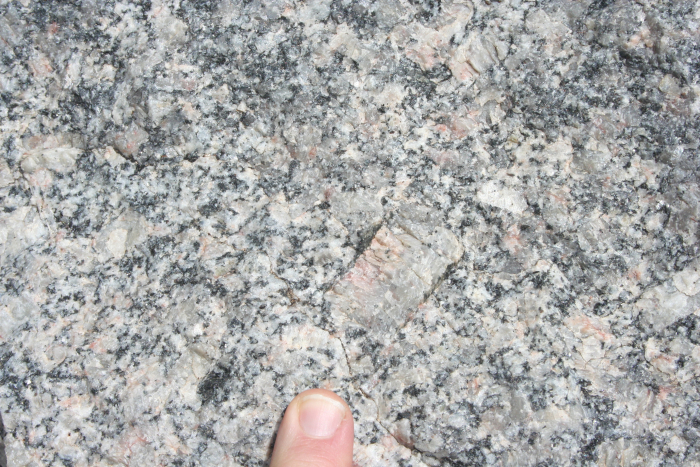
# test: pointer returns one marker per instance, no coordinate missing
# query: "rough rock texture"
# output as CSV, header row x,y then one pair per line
x,y
3,457
477,221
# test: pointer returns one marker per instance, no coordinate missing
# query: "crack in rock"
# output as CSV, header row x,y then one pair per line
x,y
399,439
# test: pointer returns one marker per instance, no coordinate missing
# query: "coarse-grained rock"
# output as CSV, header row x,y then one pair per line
x,y
476,221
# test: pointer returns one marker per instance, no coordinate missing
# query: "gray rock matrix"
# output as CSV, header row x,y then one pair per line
x,y
477,221
3,457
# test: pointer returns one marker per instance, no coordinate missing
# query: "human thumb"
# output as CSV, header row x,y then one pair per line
x,y
316,431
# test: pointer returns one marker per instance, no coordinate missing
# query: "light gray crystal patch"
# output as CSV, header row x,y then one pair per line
x,y
394,275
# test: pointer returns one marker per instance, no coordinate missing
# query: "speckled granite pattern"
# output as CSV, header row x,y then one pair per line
x,y
477,221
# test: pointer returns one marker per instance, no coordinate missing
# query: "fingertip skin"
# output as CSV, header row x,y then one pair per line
x,y
296,448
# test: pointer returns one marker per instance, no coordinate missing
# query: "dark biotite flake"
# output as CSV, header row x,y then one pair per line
x,y
3,457
210,208
211,387
413,391
247,119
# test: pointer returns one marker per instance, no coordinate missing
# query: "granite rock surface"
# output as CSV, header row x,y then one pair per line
x,y
477,221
